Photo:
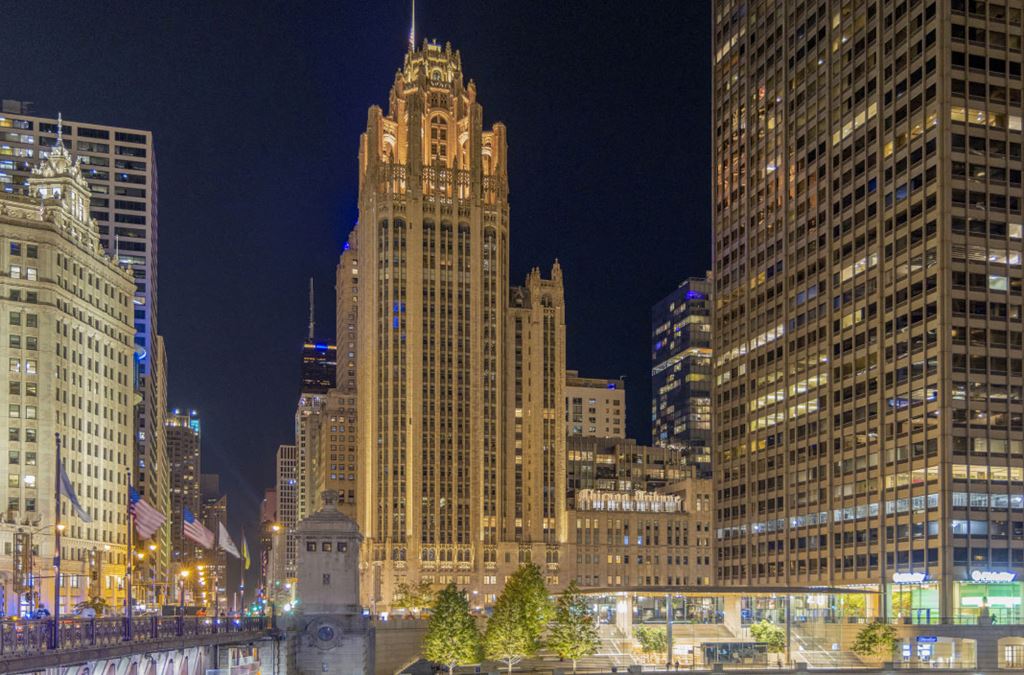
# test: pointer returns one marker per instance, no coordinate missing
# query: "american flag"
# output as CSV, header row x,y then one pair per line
x,y
194,530
147,519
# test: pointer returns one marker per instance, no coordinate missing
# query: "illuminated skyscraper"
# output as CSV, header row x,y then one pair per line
x,y
184,452
869,421
433,243
681,373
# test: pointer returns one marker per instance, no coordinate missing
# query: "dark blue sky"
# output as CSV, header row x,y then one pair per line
x,y
257,109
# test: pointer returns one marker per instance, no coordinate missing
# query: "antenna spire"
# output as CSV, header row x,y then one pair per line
x,y
412,29
312,322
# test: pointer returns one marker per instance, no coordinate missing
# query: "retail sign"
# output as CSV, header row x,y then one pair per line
x,y
909,577
927,638
992,577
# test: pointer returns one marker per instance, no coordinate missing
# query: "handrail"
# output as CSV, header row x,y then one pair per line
x,y
31,637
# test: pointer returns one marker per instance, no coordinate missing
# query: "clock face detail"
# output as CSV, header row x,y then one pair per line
x,y
325,633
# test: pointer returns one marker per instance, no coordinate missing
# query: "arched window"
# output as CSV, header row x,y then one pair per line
x,y
438,138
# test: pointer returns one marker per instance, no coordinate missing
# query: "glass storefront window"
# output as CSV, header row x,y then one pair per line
x,y
914,603
1001,601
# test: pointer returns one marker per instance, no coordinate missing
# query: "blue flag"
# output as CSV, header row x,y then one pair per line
x,y
68,491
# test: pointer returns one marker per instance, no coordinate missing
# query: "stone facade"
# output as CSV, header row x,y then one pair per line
x,y
67,313
328,632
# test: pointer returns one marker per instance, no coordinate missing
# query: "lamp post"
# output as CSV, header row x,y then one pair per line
x,y
184,575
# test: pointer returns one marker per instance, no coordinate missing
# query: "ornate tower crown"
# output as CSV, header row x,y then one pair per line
x,y
59,178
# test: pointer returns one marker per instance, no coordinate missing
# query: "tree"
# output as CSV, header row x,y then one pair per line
x,y
573,632
771,634
874,639
452,637
95,603
520,615
652,640
412,598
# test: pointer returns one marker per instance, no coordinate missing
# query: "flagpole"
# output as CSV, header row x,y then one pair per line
x,y
55,637
131,562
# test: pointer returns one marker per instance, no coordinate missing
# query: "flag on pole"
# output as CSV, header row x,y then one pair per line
x,y
245,552
194,530
68,491
147,519
225,543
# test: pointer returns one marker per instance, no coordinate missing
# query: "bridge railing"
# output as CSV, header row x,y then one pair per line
x,y
19,637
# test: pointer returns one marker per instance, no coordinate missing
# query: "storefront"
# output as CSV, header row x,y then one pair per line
x,y
992,594
913,598
930,651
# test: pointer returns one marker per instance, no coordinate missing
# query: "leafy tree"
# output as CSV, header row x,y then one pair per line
x,y
95,603
520,615
651,639
452,637
874,639
771,634
573,632
413,598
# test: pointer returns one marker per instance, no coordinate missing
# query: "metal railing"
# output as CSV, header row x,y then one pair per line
x,y
25,638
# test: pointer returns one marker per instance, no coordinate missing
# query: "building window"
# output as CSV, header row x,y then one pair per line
x,y
327,580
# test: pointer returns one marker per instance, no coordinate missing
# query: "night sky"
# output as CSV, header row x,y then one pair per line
x,y
257,109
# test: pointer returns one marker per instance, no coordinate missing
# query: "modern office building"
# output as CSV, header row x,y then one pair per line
x,y
681,372
595,406
67,311
318,365
184,453
868,425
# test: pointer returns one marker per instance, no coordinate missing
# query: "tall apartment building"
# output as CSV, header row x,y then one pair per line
x,y
184,453
67,312
595,406
287,513
681,372
433,241
868,424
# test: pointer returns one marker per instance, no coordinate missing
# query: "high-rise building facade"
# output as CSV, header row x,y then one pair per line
x,y
184,453
595,406
681,372
533,516
212,579
338,448
67,312
287,513
119,165
433,242
868,424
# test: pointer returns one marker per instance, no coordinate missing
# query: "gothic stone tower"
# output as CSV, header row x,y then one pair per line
x,y
433,239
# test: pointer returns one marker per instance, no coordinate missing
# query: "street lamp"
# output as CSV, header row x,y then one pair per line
x,y
184,575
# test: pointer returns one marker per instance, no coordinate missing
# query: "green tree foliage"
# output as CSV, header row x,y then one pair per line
x,y
452,637
520,616
651,638
573,631
874,640
413,598
771,634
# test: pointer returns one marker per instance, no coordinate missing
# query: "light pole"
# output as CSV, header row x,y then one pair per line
x,y
181,598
